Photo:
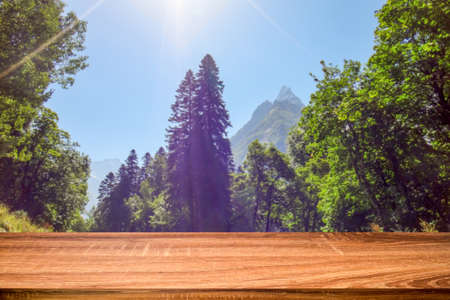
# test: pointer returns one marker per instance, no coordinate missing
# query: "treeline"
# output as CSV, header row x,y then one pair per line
x,y
42,174
186,188
370,152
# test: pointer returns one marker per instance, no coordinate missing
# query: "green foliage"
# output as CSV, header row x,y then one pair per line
x,y
81,224
150,210
428,226
51,184
14,120
116,194
371,151
328,149
102,213
41,172
38,47
409,73
136,199
18,221
373,143
270,175
162,219
242,203
158,213
304,189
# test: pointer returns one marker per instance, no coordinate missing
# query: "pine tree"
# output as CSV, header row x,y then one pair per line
x,y
213,160
127,186
158,172
179,141
200,158
103,212
112,213
116,219
149,209
144,171
133,172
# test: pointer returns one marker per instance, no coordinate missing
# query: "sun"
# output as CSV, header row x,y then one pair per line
x,y
182,21
181,10
177,6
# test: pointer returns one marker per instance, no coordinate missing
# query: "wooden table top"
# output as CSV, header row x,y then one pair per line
x,y
286,263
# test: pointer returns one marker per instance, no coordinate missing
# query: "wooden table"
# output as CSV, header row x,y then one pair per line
x,y
224,265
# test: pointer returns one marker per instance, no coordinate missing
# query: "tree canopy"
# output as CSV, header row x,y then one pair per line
x,y
41,171
370,151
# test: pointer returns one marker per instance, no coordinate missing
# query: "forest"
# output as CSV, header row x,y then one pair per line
x,y
371,151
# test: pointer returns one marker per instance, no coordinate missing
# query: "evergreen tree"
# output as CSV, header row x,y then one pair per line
x,y
127,186
200,158
119,212
179,145
112,213
211,158
149,210
155,213
133,171
144,172
103,211
158,172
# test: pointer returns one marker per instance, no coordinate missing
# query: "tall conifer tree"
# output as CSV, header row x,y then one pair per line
x,y
103,213
200,158
211,156
132,174
179,140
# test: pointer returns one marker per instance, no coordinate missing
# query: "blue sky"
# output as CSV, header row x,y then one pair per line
x,y
139,51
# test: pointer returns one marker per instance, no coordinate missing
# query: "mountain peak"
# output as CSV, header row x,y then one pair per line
x,y
285,91
270,123
286,95
262,109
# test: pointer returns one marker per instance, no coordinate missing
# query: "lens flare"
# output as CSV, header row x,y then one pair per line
x,y
50,41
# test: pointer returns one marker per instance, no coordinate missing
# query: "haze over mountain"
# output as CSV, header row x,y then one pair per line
x,y
99,169
270,123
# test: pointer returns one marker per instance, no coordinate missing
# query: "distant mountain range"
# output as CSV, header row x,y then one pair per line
x,y
99,169
270,123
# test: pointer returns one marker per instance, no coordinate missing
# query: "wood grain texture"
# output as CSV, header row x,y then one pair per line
x,y
316,294
276,265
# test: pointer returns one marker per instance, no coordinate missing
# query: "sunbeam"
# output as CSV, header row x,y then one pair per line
x,y
274,23
50,41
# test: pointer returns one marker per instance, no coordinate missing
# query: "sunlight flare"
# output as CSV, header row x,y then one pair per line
x,y
50,41
182,21
274,23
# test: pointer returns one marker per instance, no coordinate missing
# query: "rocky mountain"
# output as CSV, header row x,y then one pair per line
x,y
99,169
270,123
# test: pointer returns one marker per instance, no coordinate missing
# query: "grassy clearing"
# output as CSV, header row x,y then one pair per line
x,y
17,221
